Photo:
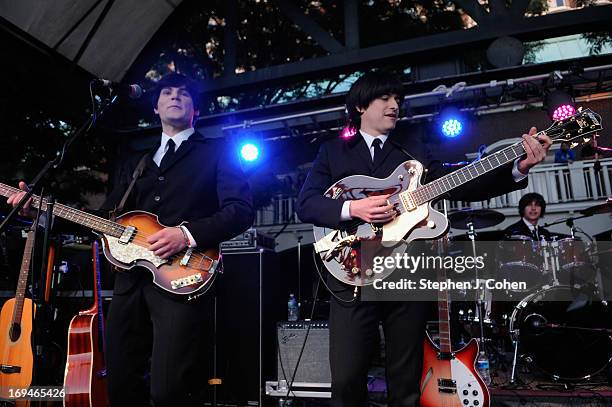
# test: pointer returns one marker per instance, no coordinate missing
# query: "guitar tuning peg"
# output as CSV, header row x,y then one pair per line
x,y
586,139
574,144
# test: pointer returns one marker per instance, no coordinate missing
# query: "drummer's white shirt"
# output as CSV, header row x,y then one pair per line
x,y
532,227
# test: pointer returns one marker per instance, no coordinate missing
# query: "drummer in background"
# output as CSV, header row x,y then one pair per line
x,y
532,207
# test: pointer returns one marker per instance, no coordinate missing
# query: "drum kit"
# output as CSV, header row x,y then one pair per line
x,y
561,323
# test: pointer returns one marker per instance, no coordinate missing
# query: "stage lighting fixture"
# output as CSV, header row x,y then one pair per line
x,y
249,152
559,105
348,132
451,122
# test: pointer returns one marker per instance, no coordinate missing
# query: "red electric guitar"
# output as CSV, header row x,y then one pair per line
x,y
85,376
450,378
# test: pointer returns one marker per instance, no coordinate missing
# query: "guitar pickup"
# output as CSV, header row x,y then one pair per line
x,y
8,369
127,235
407,201
186,281
448,386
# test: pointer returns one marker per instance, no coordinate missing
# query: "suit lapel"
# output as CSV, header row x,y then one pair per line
x,y
185,147
150,164
358,145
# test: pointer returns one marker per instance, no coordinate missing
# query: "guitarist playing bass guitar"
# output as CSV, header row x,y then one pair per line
x,y
201,197
373,105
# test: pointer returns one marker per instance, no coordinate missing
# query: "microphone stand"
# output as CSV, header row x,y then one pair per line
x,y
47,205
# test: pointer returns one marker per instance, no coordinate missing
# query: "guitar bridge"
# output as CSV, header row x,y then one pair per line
x,y
8,369
127,235
185,281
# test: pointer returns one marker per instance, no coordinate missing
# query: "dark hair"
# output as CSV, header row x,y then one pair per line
x,y
368,87
529,198
177,80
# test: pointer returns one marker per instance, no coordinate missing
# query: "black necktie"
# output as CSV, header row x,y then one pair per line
x,y
168,156
377,144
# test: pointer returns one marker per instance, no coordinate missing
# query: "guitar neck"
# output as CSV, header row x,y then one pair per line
x,y
443,316
455,179
95,249
73,215
23,278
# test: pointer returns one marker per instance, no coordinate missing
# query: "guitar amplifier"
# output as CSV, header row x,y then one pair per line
x,y
251,239
314,364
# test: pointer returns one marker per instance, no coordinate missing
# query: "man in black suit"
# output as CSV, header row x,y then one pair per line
x,y
186,178
373,104
532,208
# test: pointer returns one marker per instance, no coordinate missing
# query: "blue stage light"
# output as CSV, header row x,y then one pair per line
x,y
249,152
451,127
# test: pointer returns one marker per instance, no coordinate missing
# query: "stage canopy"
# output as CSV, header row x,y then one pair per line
x,y
102,37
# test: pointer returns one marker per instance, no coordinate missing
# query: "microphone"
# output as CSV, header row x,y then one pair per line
x,y
132,91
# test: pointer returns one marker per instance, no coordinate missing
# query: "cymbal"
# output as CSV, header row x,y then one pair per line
x,y
605,207
480,218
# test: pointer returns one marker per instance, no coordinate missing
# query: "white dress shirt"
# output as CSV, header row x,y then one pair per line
x,y
532,228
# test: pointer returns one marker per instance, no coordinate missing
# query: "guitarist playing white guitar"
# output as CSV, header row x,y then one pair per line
x,y
373,105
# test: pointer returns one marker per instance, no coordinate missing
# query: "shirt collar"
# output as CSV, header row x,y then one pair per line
x,y
529,224
370,139
178,138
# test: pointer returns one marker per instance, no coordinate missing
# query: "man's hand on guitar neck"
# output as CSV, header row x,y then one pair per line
x,y
14,199
374,209
536,148
167,242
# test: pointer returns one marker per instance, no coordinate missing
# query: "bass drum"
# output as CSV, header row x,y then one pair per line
x,y
564,331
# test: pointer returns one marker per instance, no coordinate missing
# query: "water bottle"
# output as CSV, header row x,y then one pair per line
x,y
293,310
482,365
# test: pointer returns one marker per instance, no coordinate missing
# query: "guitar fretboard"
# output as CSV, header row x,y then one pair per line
x,y
23,279
74,215
443,315
443,185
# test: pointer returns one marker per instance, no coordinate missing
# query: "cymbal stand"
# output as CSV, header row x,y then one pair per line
x,y
480,307
515,342
515,336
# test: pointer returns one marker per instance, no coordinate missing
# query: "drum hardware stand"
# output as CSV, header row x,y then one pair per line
x,y
551,252
515,342
480,306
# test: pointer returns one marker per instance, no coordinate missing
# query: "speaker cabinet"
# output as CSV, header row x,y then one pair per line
x,y
251,299
314,363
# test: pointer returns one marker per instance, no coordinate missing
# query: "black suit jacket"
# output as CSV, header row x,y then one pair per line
x,y
203,185
521,229
339,158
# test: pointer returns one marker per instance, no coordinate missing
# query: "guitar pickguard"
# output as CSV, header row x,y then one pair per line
x,y
129,253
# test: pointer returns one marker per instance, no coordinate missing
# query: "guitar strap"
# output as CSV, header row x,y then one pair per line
x,y
137,172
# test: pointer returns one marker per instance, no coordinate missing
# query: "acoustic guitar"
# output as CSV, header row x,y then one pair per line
x,y
85,374
16,358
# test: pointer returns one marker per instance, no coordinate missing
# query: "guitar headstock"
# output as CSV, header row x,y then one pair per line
x,y
576,128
